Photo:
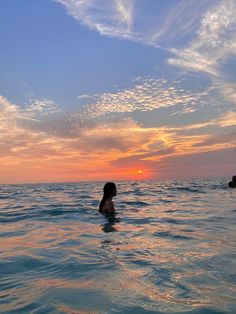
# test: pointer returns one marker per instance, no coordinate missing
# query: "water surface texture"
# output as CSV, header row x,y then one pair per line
x,y
170,248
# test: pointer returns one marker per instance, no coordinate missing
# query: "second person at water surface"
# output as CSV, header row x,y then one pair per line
x,y
106,205
232,184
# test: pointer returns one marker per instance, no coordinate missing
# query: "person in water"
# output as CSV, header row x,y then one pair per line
x,y
106,205
232,184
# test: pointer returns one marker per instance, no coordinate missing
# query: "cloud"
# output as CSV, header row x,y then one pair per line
x,y
146,94
112,18
143,22
179,24
16,137
84,96
8,113
228,90
59,136
32,150
41,107
227,119
214,41
227,138
201,35
98,128
144,158
215,163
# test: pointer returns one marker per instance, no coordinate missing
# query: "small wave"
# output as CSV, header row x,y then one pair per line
x,y
170,220
137,203
167,234
4,197
12,218
166,201
189,189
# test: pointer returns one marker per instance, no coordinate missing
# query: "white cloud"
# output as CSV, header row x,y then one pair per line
x,y
111,18
137,20
147,94
218,25
201,34
214,42
41,107
179,24
194,61
84,96
228,90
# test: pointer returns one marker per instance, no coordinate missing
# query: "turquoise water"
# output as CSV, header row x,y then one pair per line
x,y
170,248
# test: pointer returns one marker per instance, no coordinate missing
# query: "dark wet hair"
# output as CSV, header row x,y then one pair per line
x,y
108,190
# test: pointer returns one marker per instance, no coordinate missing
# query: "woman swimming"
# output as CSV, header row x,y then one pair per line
x,y
106,205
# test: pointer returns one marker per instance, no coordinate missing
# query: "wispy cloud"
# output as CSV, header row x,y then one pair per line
x,y
201,35
143,22
179,24
213,42
111,18
228,90
84,96
225,120
39,107
227,138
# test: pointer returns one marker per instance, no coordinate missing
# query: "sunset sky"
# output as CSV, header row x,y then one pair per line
x,y
117,89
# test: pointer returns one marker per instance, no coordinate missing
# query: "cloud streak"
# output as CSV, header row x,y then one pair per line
x,y
112,18
214,41
200,35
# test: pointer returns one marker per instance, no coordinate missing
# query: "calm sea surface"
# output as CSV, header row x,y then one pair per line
x,y
170,248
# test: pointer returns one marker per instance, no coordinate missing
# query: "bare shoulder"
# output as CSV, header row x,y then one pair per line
x,y
108,206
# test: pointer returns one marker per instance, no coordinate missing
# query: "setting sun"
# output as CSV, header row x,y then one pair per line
x,y
140,171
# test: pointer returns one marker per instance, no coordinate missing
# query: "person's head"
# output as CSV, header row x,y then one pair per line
x,y
109,190
234,179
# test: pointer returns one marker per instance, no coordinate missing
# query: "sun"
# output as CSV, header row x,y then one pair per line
x,y
140,171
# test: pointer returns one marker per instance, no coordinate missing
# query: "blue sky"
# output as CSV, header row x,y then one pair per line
x,y
138,84
50,55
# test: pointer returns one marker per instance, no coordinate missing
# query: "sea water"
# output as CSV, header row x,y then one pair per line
x,y
170,248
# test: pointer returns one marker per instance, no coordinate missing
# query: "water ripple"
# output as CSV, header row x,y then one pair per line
x,y
170,248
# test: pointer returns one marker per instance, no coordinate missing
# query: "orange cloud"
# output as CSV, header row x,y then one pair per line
x,y
60,150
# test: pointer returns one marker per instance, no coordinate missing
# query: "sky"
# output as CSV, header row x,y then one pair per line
x,y
117,90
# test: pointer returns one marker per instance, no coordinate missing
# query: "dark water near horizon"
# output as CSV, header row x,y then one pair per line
x,y
170,248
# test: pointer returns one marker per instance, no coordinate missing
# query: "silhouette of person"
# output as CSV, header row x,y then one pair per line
x,y
232,184
106,205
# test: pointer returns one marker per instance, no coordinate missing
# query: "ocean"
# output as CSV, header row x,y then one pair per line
x,y
170,248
